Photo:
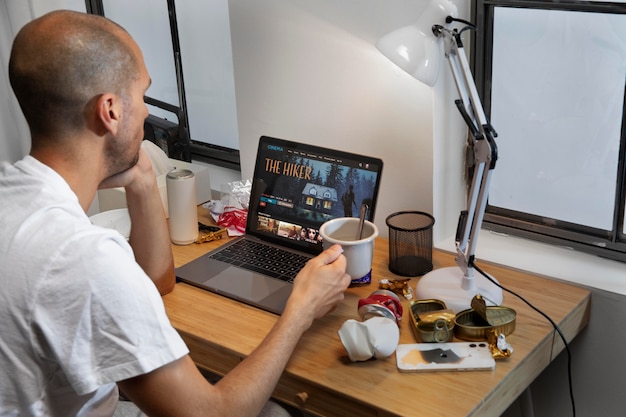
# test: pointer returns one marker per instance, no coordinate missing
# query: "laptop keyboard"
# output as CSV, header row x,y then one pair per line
x,y
268,260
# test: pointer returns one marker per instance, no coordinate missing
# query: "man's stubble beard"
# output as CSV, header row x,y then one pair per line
x,y
120,157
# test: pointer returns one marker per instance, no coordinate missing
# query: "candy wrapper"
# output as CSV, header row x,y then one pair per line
x,y
500,348
232,210
399,286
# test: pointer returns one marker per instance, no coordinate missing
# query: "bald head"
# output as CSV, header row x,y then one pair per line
x,y
63,60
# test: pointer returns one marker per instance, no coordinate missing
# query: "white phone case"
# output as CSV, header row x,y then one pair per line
x,y
453,356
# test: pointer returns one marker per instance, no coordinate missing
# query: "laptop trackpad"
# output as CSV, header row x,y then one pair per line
x,y
245,284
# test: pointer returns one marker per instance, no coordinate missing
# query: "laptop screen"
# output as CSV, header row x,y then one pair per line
x,y
297,187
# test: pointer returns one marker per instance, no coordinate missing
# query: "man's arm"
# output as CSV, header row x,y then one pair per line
x,y
149,234
178,389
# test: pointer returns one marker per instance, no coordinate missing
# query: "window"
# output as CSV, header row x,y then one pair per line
x,y
552,76
187,49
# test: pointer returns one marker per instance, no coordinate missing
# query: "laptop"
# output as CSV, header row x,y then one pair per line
x,y
295,188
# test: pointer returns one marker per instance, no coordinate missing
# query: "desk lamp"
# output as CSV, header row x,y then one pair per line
x,y
417,49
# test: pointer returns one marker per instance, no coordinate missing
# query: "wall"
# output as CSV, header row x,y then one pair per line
x,y
309,71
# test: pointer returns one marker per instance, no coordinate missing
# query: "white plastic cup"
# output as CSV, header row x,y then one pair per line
x,y
181,201
359,253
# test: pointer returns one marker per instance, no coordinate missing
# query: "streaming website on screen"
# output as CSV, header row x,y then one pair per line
x,y
296,190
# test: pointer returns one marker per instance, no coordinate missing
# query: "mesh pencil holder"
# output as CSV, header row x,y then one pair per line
x,y
410,243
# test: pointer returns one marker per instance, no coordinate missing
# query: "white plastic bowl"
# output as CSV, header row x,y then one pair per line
x,y
117,219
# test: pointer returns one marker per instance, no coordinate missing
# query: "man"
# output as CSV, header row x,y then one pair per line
x,y
347,200
80,308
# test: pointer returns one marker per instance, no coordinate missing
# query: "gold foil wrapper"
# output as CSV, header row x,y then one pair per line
x,y
498,345
398,286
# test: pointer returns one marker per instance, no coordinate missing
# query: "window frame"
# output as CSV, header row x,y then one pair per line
x,y
609,244
187,149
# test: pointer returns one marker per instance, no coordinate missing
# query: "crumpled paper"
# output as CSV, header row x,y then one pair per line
x,y
376,337
237,192
231,211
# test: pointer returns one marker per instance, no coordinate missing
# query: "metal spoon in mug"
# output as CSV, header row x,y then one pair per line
x,y
362,215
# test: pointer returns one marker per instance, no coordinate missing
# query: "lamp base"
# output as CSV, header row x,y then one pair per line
x,y
445,284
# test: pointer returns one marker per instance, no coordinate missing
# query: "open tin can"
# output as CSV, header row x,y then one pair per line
x,y
471,327
431,321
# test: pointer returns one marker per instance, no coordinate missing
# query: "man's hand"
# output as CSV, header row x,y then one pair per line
x,y
320,285
140,172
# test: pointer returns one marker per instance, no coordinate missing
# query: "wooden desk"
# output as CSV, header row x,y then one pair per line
x,y
321,379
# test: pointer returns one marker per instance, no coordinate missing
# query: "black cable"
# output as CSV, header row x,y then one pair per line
x,y
450,19
468,25
556,327
466,28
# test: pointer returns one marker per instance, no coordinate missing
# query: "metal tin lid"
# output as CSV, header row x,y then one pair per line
x,y
180,174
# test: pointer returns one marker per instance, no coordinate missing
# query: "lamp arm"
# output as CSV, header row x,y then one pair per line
x,y
481,139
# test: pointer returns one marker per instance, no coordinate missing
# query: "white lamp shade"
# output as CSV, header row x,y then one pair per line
x,y
414,51
415,48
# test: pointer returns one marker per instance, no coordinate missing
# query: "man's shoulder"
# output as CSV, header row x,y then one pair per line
x,y
56,239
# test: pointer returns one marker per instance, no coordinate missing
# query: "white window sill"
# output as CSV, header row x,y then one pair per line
x,y
552,261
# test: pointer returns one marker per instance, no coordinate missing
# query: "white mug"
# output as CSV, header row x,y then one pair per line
x,y
358,252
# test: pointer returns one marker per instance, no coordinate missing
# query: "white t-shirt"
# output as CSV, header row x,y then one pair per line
x,y
77,313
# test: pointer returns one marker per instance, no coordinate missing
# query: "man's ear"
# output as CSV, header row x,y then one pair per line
x,y
108,112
